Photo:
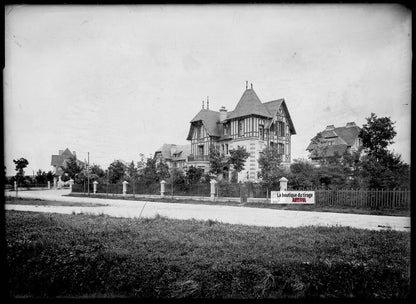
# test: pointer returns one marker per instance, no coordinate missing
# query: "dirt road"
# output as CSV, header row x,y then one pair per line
x,y
226,214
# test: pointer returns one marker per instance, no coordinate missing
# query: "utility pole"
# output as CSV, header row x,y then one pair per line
x,y
88,173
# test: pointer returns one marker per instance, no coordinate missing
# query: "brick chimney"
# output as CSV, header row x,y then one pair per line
x,y
223,114
351,124
61,152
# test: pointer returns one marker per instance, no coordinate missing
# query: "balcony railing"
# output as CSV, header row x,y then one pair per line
x,y
198,158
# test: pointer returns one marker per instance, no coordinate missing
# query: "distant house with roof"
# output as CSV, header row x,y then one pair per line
x,y
252,124
175,156
335,141
59,162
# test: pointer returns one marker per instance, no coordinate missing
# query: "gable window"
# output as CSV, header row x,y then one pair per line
x,y
198,130
240,128
280,128
261,132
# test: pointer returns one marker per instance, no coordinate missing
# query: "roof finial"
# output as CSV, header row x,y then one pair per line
x,y
202,104
251,86
246,84
207,102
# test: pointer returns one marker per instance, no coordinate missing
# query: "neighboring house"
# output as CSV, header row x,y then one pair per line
x,y
335,142
252,124
175,156
59,162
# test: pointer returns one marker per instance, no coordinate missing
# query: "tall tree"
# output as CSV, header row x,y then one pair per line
x,y
377,134
149,172
270,166
132,172
162,170
381,168
20,163
116,172
72,169
215,161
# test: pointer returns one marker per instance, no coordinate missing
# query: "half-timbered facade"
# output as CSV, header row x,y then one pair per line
x,y
252,124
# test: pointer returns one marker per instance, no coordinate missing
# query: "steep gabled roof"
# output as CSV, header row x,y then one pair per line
x,y
329,134
273,107
209,119
249,104
165,151
168,150
338,150
349,135
67,153
57,160
180,152
62,158
344,138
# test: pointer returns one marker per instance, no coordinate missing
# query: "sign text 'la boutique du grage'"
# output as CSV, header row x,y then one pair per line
x,y
292,197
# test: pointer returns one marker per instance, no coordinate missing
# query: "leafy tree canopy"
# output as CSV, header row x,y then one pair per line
x,y
149,171
162,171
238,158
177,176
270,169
193,175
20,163
116,172
72,169
377,134
215,161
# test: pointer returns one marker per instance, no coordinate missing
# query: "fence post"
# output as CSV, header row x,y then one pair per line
x,y
283,184
95,183
162,188
213,182
125,188
71,182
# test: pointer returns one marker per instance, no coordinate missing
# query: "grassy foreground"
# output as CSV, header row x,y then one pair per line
x,y
53,255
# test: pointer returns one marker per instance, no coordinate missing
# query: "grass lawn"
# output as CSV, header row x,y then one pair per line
x,y
338,209
55,255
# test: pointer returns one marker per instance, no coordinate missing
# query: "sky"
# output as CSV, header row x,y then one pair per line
x,y
117,81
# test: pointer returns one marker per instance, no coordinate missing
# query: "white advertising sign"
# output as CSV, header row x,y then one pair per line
x,y
292,197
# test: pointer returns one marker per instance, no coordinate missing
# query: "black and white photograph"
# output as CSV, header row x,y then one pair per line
x,y
207,151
